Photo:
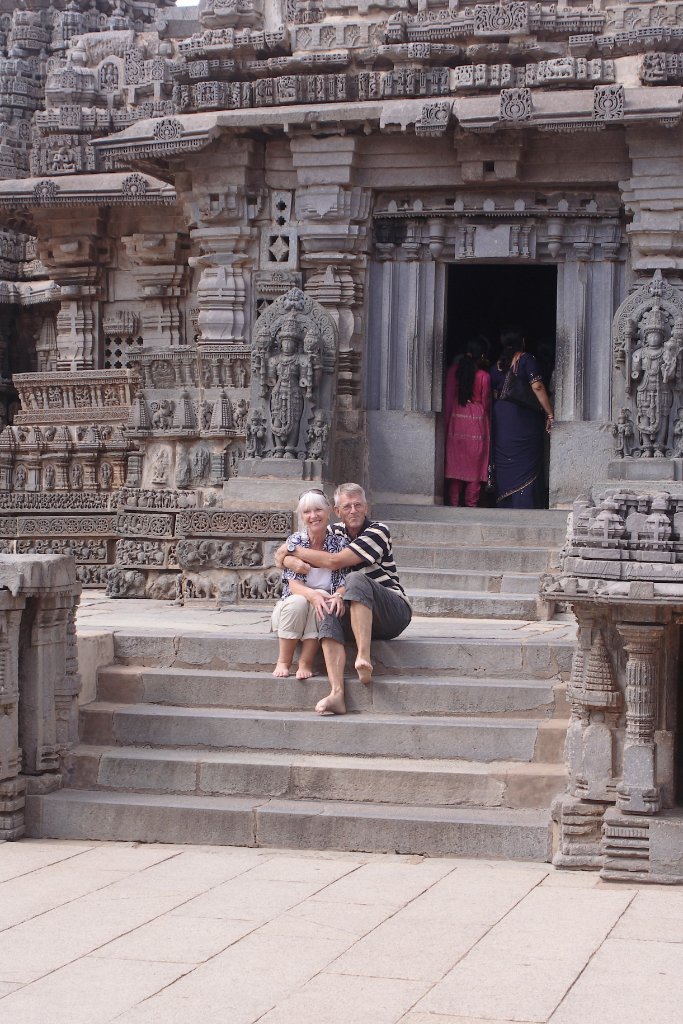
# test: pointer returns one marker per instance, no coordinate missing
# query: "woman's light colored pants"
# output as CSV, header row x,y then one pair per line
x,y
294,619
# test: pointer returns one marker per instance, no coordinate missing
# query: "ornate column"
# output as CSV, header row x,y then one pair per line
x,y
226,199
638,792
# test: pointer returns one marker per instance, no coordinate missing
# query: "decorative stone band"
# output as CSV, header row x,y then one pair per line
x,y
114,189
256,524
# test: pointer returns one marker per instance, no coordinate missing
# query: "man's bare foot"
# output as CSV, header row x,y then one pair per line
x,y
304,671
364,670
281,670
331,706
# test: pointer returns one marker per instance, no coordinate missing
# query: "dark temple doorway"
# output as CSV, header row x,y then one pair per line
x,y
487,299
483,300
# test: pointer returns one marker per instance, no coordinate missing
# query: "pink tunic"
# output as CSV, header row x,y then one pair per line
x,y
468,428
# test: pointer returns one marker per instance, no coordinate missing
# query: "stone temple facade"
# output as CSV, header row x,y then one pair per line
x,y
240,241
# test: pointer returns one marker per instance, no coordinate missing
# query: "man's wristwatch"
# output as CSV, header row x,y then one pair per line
x,y
291,546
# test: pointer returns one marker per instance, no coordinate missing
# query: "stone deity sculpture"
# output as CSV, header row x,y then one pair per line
x,y
290,378
623,432
654,365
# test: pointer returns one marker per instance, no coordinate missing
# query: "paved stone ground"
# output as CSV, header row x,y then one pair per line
x,y
147,934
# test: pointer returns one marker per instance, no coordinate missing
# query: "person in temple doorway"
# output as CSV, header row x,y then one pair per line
x,y
521,412
467,407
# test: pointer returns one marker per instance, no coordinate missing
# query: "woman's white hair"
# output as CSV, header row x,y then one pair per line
x,y
309,500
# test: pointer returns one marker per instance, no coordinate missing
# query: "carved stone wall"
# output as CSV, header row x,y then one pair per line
x,y
253,211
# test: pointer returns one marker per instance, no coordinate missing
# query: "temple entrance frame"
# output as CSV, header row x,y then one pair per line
x,y
406,325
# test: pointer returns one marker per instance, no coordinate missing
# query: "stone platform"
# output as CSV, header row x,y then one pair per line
x,y
457,748
142,934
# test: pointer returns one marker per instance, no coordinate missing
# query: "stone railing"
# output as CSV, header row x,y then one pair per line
x,y
39,681
622,572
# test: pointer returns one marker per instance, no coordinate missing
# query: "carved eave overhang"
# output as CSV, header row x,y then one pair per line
x,y
28,293
588,590
117,189
192,132
155,141
571,110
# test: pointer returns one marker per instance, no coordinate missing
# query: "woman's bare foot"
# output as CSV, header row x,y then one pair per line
x,y
281,670
304,671
364,670
331,705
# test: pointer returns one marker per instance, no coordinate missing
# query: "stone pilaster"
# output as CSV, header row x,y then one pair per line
x,y
157,259
12,787
638,792
654,198
70,249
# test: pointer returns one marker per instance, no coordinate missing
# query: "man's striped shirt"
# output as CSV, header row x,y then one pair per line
x,y
374,550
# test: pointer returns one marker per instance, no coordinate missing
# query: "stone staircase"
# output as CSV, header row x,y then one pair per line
x,y
474,563
456,748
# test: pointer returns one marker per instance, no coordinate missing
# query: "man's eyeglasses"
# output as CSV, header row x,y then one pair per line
x,y
353,506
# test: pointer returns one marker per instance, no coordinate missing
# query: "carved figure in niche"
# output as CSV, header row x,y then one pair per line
x,y
160,467
206,414
77,477
241,413
678,435
162,414
240,374
183,476
105,476
20,478
654,365
623,432
200,461
256,435
49,478
290,379
316,437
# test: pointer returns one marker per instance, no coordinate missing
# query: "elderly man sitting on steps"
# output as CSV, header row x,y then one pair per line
x,y
374,598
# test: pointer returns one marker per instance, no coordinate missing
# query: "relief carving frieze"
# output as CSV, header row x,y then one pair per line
x,y
142,524
83,549
250,524
103,525
148,553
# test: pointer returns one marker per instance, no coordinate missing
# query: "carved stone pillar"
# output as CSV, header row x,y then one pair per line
x,y
638,792
42,666
12,787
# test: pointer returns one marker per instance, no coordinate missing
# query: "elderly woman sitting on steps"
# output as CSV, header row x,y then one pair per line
x,y
306,599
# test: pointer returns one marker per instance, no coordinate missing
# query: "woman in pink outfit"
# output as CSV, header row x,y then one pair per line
x,y
467,404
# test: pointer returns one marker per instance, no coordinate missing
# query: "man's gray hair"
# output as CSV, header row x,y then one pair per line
x,y
349,488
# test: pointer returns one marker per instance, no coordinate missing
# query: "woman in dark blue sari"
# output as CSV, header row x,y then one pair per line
x,y
518,430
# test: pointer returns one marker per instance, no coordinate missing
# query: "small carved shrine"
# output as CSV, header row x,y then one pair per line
x,y
622,573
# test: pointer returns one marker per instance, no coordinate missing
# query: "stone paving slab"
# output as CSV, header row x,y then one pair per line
x,y
173,934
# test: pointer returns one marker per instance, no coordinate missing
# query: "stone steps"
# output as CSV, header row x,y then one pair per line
x,y
517,834
496,559
416,578
478,653
466,604
475,563
201,772
470,738
422,695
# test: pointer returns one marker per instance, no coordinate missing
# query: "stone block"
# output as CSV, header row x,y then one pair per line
x,y
581,453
